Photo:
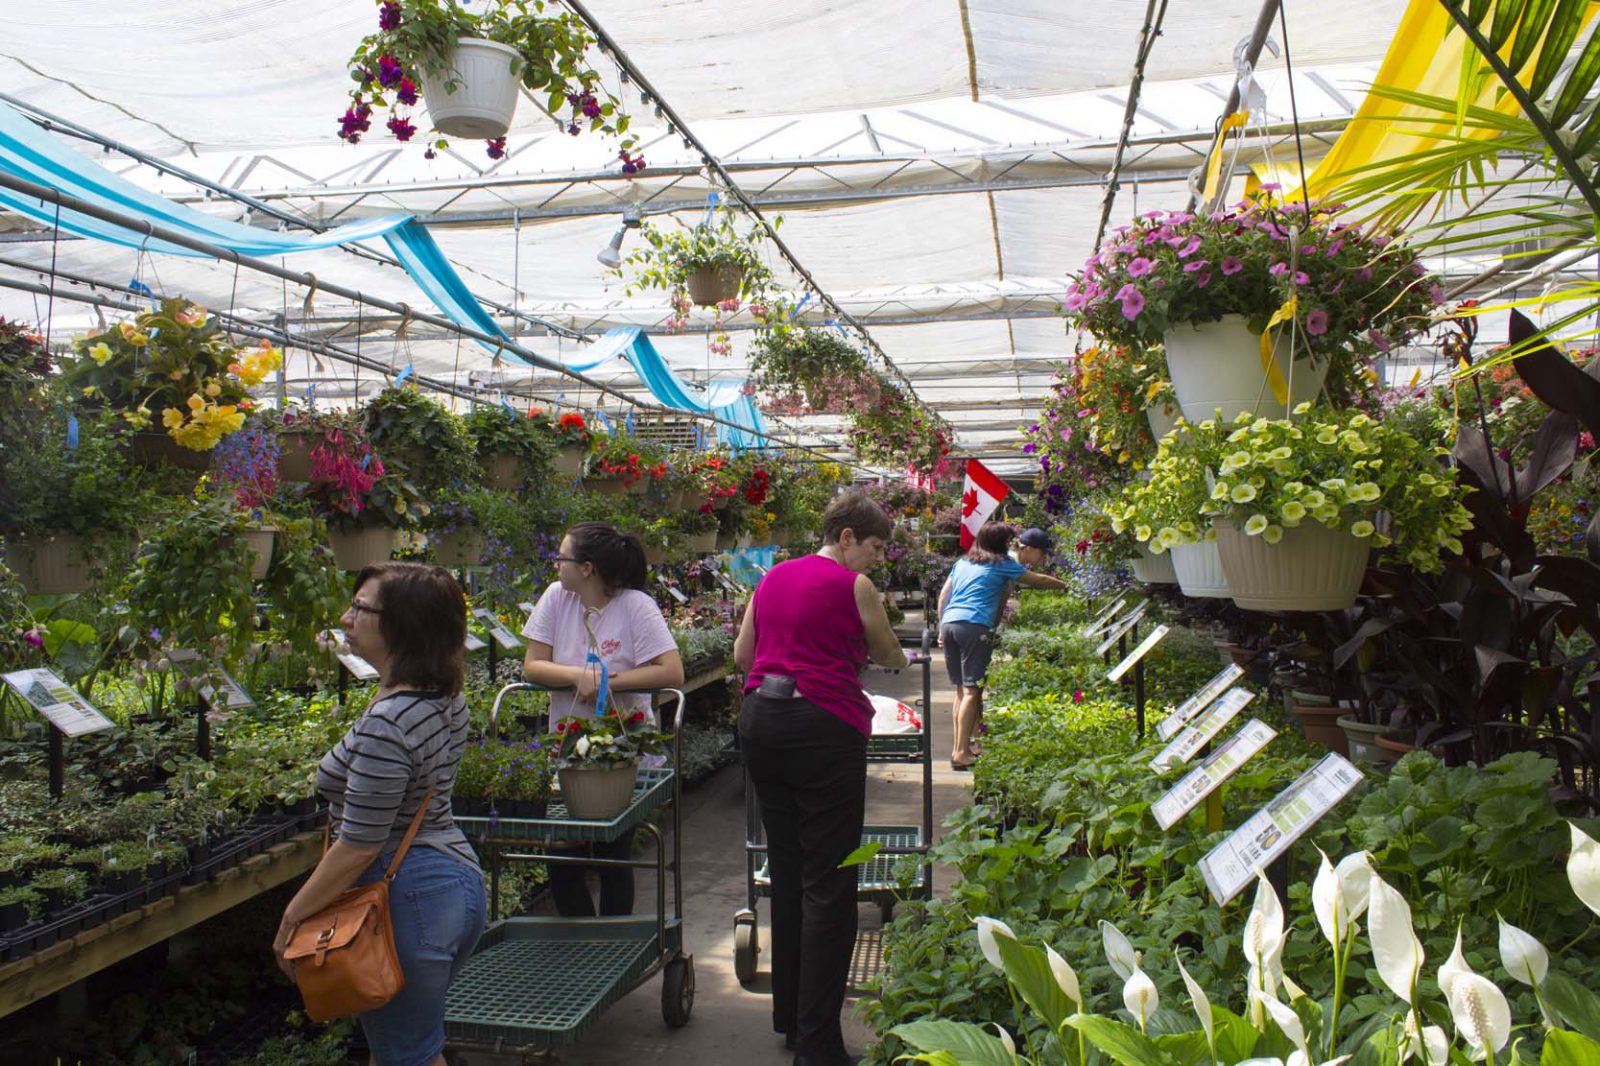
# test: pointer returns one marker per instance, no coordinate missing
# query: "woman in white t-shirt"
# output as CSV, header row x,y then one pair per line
x,y
598,604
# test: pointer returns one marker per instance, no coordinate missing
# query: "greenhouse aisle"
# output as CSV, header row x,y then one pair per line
x,y
731,1024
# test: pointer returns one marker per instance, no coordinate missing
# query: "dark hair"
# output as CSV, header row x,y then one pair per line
x,y
424,623
990,545
855,510
616,556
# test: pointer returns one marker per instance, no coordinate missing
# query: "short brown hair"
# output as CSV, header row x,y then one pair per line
x,y
991,543
424,623
857,511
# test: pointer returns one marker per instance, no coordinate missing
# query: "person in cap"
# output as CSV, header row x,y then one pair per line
x,y
969,609
1034,548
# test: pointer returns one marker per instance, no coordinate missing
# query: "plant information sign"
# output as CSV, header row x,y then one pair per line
x,y
502,636
60,704
1200,700
474,642
1121,627
189,663
359,668
1198,733
1220,765
1232,864
1151,640
1104,618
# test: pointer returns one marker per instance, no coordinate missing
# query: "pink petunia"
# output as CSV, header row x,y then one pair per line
x,y
1190,248
1132,304
1231,265
1076,302
1139,266
1436,293
1302,278
1278,270
1202,279
1198,264
1378,339
1316,322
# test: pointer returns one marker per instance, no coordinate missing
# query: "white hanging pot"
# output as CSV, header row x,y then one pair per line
x,y
1163,419
485,97
1153,569
460,547
1199,570
356,548
1218,365
260,542
569,461
1313,568
597,793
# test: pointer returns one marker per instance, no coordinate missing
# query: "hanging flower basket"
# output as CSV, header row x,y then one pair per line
x,y
294,453
1199,570
709,286
260,543
1163,418
461,547
485,96
158,449
502,472
703,543
356,548
1313,568
569,460
727,541
1153,569
597,793
780,536
1218,365
654,555
51,565
605,486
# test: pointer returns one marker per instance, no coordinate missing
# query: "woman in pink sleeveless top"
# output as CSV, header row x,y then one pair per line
x,y
807,634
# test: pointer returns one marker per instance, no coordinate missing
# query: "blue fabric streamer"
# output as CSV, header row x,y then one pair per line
x,y
400,378
72,431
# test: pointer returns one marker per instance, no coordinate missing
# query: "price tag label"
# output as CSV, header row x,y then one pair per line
x,y
1220,765
58,702
1199,701
1122,627
475,642
1198,733
1230,866
1104,617
189,663
677,594
1151,640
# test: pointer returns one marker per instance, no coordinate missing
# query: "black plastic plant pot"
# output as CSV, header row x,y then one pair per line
x,y
13,916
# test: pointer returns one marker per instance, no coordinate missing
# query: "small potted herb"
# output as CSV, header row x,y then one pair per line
x,y
19,905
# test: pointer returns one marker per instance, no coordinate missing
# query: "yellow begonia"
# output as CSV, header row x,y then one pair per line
x,y
101,353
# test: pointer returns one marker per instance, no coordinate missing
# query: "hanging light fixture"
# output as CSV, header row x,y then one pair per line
x,y
611,254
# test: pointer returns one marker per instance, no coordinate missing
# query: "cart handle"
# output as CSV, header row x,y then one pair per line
x,y
531,686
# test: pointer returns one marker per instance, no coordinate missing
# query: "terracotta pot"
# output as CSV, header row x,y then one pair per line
x,y
260,542
294,453
569,460
1393,747
461,547
155,448
354,549
701,543
1321,726
597,794
52,565
709,286
502,472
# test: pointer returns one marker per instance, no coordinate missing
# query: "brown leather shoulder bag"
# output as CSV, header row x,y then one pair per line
x,y
344,957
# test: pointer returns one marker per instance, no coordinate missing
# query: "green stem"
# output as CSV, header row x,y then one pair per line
x,y
1016,1012
1569,944
1341,959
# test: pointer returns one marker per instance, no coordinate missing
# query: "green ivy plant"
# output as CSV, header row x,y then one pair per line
x,y
499,431
418,437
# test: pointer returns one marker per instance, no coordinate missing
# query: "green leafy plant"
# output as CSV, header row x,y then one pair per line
x,y
416,433
498,768
500,431
190,586
613,739
50,487
816,368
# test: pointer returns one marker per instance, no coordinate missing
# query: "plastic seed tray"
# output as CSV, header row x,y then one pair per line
x,y
541,982
651,790
877,873
893,747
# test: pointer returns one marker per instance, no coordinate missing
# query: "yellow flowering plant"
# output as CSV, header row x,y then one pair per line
x,y
172,365
1339,467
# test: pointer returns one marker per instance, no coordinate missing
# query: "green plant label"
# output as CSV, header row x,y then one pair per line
x,y
58,702
1200,700
1198,733
1230,866
1151,640
1120,627
1220,765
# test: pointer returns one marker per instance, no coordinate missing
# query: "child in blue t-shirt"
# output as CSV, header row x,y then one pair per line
x,y
969,609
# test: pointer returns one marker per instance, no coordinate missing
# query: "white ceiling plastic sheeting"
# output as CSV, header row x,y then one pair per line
x,y
994,147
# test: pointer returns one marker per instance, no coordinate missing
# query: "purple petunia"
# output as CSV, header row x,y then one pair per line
x,y
1278,270
1132,303
1231,265
1317,322
1202,279
1197,265
1191,247
1138,267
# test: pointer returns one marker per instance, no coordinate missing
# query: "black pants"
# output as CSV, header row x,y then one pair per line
x,y
809,769
569,885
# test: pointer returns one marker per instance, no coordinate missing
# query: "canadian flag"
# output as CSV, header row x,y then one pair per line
x,y
980,495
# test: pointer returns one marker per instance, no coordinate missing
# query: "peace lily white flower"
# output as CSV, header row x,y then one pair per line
x,y
1431,1044
987,928
1005,1038
1289,1022
1119,953
1263,929
1523,957
1202,1006
1340,895
1396,951
1481,1013
1583,868
1065,976
1453,967
1140,997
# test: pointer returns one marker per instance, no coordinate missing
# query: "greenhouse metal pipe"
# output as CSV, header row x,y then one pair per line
x,y
1252,52
55,122
1154,13
616,52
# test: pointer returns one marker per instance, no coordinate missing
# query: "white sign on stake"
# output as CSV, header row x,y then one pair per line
x,y
1220,765
1198,733
502,636
191,665
677,594
1231,865
1200,700
58,702
525,607
474,642
1151,640
1106,619
1122,627
359,668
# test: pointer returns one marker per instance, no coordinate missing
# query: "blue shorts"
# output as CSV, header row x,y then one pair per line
x,y
968,647
437,906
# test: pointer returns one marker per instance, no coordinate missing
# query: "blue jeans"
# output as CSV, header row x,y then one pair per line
x,y
436,904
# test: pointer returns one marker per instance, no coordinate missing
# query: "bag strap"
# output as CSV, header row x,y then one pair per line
x,y
405,845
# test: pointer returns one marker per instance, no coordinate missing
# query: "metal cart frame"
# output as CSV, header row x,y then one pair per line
x,y
875,877
540,982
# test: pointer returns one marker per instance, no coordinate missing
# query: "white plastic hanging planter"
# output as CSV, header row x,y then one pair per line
x,y
1163,419
1153,569
1313,568
1218,365
485,97
1200,571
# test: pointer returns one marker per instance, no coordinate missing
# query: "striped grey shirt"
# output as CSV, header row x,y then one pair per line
x,y
374,779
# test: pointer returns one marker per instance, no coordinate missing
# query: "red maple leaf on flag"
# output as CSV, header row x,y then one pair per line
x,y
969,502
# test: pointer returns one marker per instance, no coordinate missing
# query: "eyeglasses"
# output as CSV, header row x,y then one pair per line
x,y
357,606
569,559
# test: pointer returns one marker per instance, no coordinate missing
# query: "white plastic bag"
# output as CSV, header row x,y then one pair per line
x,y
890,716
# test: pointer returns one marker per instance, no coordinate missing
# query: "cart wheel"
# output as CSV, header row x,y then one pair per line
x,y
746,946
677,991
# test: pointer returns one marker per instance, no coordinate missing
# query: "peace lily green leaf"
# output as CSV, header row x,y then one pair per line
x,y
1187,1048
1562,1048
964,1043
1028,968
1123,1043
1578,1007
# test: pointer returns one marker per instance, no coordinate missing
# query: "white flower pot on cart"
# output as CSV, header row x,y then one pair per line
x,y
485,97
1313,568
1200,571
597,793
1218,365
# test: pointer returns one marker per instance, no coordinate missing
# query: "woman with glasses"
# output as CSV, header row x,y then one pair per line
x,y
598,604
410,622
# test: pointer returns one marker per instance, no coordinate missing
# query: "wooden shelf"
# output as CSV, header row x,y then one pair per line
x,y
68,961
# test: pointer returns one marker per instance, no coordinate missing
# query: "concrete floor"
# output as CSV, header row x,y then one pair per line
x,y
731,1025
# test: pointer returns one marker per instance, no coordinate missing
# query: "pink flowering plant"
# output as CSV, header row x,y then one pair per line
x,y
900,433
811,370
415,39
1353,292
1074,460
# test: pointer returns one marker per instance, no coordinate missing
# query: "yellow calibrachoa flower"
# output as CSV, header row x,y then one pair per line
x,y
101,353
